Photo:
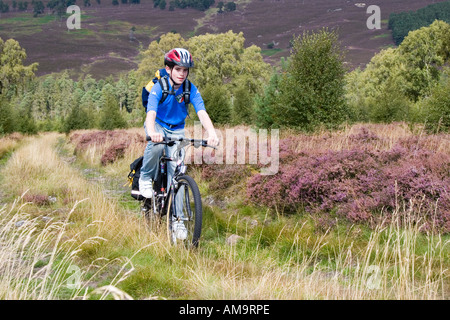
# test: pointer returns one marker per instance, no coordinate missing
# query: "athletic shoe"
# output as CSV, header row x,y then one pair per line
x,y
146,188
179,230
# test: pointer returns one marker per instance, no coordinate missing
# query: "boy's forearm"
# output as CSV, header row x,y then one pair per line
x,y
150,121
213,140
206,121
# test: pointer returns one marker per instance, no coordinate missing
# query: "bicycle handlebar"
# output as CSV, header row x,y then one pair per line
x,y
171,141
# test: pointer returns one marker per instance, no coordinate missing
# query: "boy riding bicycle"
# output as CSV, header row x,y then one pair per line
x,y
167,119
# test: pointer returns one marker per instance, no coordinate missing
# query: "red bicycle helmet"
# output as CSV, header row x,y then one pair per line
x,y
180,57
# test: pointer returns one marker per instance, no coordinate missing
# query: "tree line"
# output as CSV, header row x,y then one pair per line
x,y
408,83
201,5
403,22
312,89
58,7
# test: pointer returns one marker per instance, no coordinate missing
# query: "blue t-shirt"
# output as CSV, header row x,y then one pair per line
x,y
173,111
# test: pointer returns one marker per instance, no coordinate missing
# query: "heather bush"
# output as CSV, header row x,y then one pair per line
x,y
83,140
37,199
362,183
224,176
114,152
112,144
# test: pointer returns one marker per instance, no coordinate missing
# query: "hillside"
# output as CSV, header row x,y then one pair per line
x,y
103,45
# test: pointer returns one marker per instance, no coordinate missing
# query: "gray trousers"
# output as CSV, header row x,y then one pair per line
x,y
152,154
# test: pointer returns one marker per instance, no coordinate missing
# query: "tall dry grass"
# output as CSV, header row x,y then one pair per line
x,y
83,218
396,261
388,265
38,260
9,143
387,136
40,170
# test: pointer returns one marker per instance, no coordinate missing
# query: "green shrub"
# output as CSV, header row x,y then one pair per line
x,y
217,103
435,109
111,117
243,106
264,103
6,117
77,119
390,105
312,91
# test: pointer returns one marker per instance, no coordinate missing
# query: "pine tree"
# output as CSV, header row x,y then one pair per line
x,y
111,117
243,105
264,114
6,117
78,117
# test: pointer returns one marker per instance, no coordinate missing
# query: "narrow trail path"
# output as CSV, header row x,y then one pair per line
x,y
111,187
47,171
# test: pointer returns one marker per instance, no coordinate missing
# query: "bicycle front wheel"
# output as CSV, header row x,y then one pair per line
x,y
184,213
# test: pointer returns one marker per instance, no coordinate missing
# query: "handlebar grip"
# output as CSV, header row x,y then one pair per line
x,y
165,139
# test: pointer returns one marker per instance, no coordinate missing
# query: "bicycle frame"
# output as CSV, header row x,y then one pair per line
x,y
181,200
161,194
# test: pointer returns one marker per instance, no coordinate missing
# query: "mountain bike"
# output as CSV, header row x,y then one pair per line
x,y
181,201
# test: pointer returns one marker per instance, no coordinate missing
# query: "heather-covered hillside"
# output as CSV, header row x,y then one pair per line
x,y
111,35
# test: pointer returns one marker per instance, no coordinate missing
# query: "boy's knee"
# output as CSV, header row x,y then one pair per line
x,y
158,149
154,150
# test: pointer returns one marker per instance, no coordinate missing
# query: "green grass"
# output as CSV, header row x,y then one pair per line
x,y
81,33
25,24
380,36
27,19
159,280
271,52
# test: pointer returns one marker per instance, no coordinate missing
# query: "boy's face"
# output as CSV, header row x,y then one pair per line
x,y
178,74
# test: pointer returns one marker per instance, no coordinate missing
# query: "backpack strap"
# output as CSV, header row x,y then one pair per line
x,y
164,83
187,92
146,90
187,95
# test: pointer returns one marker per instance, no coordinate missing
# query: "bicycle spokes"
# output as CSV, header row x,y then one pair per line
x,y
187,211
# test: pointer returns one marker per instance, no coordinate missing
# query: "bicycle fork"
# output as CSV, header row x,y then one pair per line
x,y
180,192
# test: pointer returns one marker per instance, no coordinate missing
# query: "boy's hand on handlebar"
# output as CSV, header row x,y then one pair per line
x,y
155,137
213,140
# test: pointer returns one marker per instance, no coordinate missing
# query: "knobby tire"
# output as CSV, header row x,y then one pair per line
x,y
194,224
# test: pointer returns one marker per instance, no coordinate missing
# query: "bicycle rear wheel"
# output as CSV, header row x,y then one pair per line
x,y
185,206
